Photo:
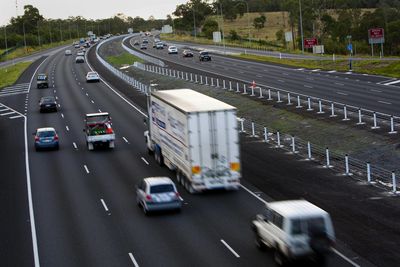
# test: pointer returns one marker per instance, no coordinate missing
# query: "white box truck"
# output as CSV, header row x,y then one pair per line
x,y
196,136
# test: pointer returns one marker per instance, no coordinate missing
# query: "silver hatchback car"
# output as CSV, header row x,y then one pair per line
x,y
158,193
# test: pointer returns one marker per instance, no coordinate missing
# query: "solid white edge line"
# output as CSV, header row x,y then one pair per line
x,y
104,204
86,169
231,249
345,258
145,161
133,260
126,140
28,182
254,195
74,144
66,127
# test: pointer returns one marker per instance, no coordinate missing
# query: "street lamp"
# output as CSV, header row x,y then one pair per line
x,y
301,29
222,26
23,28
194,23
248,18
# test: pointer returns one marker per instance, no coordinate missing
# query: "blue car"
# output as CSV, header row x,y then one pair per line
x,y
46,138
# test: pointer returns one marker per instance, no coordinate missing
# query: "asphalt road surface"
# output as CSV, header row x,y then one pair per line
x,y
84,201
358,90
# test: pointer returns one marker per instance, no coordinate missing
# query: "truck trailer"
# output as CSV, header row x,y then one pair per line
x,y
196,136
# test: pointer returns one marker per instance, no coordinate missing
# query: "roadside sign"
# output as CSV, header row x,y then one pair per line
x,y
216,37
288,36
310,42
318,49
350,47
376,36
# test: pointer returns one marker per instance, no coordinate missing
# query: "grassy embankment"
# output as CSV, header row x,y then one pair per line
x,y
9,74
20,51
123,59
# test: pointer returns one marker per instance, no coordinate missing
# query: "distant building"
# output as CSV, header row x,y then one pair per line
x,y
166,29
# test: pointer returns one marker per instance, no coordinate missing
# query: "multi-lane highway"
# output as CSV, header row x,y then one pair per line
x,y
83,201
357,90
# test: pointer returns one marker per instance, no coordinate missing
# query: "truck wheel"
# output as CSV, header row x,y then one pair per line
x,y
279,257
158,157
258,241
178,177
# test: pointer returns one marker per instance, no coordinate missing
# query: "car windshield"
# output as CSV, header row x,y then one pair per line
x,y
307,226
204,53
41,77
161,188
46,134
48,99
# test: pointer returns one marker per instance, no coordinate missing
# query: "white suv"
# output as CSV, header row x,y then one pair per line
x,y
294,229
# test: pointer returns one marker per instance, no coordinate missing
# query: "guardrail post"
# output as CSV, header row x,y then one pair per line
x,y
345,114
212,81
332,110
279,97
309,156
174,73
392,131
289,100
309,104
394,182
320,111
368,172
261,94
191,77
266,135
223,84
298,102
375,122
346,163
293,146
269,94
187,77
217,82
253,131
278,139
328,162
201,79
244,89
206,81
252,91
237,87
360,122
242,125
195,78
230,86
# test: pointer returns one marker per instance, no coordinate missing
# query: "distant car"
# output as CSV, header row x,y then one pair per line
x,y
164,44
46,138
157,193
47,103
143,46
87,45
204,56
68,52
77,46
42,81
187,53
79,59
145,41
294,229
136,43
80,53
92,76
172,50
159,45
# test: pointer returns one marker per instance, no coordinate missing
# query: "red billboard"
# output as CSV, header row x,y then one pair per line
x,y
375,33
310,42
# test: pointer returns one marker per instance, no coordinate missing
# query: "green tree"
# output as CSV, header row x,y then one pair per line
x,y
259,22
209,27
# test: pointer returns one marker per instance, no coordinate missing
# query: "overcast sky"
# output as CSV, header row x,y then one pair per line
x,y
93,9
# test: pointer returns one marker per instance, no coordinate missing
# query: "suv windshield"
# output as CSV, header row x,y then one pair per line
x,y
162,188
307,226
41,77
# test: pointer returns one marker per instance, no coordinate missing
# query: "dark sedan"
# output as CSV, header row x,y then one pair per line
x,y
187,53
48,103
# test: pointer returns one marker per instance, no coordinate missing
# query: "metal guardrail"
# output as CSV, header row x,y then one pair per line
x,y
147,58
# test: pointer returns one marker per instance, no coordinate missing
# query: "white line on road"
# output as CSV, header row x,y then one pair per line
x,y
309,78
66,127
384,102
393,82
241,72
345,258
308,86
86,169
104,204
133,260
57,97
339,84
75,146
315,70
281,81
92,101
259,76
145,161
254,195
62,115
87,94
340,93
100,110
231,249
377,91
14,117
332,71
8,113
284,73
126,140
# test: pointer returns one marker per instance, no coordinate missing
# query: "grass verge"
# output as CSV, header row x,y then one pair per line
x,y
9,75
20,51
389,68
123,59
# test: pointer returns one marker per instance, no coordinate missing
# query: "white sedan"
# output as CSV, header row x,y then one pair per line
x,y
80,53
92,76
172,50
68,52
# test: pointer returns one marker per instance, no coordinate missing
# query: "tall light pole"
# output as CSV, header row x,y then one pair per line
x,y
38,33
23,28
194,23
301,28
248,18
61,36
222,26
5,41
